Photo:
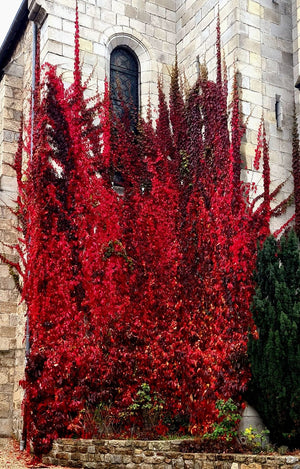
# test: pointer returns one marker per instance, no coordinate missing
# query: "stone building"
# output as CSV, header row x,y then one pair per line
x,y
260,37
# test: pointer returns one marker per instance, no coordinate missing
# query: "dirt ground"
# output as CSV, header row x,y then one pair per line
x,y
12,458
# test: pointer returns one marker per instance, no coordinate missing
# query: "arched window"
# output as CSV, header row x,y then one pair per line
x,y
124,80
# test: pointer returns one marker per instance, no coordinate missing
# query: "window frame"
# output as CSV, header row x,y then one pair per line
x,y
135,74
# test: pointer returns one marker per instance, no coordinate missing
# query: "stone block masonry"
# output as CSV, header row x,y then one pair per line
x,y
135,454
260,39
256,37
14,94
147,27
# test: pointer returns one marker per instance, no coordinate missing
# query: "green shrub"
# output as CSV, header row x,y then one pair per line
x,y
228,419
275,354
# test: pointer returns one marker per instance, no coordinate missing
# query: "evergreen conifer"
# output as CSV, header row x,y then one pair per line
x,y
275,354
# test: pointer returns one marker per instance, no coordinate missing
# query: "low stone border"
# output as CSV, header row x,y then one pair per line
x,y
136,454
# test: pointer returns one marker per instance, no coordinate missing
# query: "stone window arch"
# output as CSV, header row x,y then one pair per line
x,y
134,42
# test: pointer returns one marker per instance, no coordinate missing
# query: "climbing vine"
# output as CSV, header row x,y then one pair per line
x,y
148,288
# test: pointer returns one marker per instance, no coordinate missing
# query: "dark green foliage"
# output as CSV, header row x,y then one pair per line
x,y
275,354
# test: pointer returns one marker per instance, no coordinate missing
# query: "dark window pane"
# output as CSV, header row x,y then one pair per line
x,y
124,80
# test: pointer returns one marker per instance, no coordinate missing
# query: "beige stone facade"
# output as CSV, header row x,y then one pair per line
x,y
257,39
260,39
14,92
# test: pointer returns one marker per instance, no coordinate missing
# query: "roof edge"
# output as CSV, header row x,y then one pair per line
x,y
14,33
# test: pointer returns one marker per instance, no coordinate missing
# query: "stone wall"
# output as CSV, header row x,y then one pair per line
x,y
147,27
296,46
131,454
257,41
260,37
14,92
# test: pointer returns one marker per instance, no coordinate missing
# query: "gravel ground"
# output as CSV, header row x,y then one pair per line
x,y
12,458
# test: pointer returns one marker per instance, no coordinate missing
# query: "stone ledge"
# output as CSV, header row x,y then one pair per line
x,y
134,454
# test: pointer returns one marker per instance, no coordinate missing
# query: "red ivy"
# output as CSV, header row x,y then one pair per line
x,y
153,286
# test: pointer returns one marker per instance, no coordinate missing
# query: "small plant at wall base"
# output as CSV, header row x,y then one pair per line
x,y
254,440
146,412
223,435
145,295
227,426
